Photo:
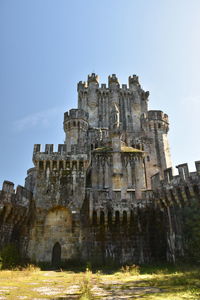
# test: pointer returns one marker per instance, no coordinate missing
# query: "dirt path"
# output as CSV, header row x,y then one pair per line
x,y
57,286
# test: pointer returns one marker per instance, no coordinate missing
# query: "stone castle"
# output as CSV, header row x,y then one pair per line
x,y
108,193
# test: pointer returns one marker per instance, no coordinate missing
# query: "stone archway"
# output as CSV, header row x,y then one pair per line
x,y
56,255
56,235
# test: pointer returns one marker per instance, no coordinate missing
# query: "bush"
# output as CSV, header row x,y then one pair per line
x,y
86,286
131,270
191,230
9,257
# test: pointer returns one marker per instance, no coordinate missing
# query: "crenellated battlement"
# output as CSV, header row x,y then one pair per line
x,y
133,81
75,114
57,160
49,150
81,85
184,175
113,81
157,115
155,120
8,187
177,189
8,195
93,78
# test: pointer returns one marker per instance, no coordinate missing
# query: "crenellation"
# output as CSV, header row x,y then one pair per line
x,y
183,171
21,196
145,95
93,78
37,148
75,114
113,81
197,165
103,86
133,81
8,186
181,188
62,148
49,148
168,175
124,86
81,86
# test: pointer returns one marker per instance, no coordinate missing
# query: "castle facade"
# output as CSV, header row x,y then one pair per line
x,y
108,193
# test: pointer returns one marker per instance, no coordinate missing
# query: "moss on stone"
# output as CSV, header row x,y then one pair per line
x,y
103,149
123,149
130,149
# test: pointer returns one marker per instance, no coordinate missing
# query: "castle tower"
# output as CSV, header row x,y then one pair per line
x,y
156,126
88,98
114,87
75,126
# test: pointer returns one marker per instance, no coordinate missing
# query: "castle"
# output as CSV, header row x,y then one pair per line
x,y
108,193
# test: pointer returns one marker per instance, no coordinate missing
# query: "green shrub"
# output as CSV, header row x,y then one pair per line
x,y
86,286
131,270
191,230
9,257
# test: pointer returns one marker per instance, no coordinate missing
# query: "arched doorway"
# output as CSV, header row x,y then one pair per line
x,y
56,255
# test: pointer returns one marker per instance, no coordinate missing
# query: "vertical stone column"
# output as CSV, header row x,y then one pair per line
x,y
129,175
117,171
140,178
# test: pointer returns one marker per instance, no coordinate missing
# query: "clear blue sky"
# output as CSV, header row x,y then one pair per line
x,y
47,46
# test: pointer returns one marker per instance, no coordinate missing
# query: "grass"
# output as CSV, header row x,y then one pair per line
x,y
144,282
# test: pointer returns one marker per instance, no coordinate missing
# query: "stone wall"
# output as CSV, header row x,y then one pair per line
x,y
16,214
178,197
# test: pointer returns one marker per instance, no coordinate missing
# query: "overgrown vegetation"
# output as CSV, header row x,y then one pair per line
x,y
86,286
140,282
9,257
191,230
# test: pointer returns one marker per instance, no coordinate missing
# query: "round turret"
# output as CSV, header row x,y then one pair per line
x,y
75,126
158,121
